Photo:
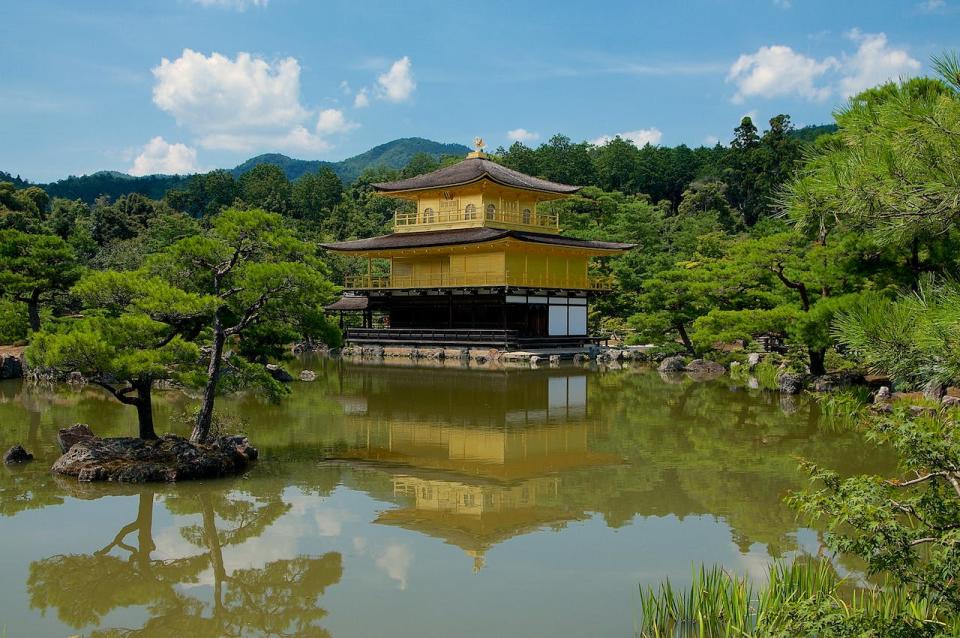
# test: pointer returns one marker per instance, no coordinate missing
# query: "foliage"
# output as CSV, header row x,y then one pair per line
x,y
888,171
136,332
261,278
266,187
904,527
914,339
33,267
14,325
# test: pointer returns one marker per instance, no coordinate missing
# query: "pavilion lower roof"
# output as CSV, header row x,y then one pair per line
x,y
461,236
349,302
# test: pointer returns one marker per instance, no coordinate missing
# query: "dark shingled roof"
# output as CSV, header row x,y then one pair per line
x,y
481,234
349,302
471,170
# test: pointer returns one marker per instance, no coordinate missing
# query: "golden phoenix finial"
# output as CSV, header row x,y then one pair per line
x,y
479,144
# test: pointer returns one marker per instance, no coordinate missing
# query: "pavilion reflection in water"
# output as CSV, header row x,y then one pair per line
x,y
480,458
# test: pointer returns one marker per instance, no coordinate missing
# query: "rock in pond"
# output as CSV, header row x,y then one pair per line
x,y
702,369
836,380
791,383
11,366
308,375
883,395
169,458
279,373
17,454
66,437
672,364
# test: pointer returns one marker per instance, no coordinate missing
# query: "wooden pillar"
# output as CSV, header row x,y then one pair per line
x,y
503,312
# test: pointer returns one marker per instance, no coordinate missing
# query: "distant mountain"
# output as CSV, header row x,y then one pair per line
x,y
393,154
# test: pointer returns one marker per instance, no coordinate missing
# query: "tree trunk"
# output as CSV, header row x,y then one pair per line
x,y
915,264
33,310
145,409
685,338
201,429
817,358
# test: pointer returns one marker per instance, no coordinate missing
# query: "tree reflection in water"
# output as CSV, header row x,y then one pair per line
x,y
281,598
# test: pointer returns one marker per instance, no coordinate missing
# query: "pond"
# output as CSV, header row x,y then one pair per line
x,y
396,500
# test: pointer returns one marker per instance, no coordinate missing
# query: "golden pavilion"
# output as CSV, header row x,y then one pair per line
x,y
477,263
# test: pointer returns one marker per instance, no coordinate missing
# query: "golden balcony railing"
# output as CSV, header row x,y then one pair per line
x,y
519,218
477,279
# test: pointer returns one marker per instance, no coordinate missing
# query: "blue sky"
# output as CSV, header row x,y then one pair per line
x,y
183,85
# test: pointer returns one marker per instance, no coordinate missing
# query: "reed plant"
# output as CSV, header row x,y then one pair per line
x,y
845,409
804,598
766,374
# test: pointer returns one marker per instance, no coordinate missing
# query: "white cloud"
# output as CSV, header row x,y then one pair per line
x,y
778,70
239,5
933,6
332,121
361,99
397,84
774,71
159,156
239,104
522,135
395,562
345,87
640,137
874,62
711,140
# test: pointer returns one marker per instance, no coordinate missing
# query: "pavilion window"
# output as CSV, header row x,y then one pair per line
x,y
491,211
470,212
527,216
428,216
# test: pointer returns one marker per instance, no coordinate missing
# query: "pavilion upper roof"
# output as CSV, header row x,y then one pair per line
x,y
471,170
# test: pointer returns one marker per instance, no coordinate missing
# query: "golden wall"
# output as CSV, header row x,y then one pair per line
x,y
516,267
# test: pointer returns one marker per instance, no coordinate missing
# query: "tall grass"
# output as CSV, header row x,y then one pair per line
x,y
766,374
800,599
846,408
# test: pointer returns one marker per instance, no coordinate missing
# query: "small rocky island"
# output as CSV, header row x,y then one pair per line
x,y
134,460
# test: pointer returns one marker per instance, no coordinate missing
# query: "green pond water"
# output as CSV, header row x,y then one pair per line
x,y
413,501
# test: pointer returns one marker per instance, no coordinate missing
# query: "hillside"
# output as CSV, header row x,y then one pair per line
x,y
812,132
113,185
393,154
